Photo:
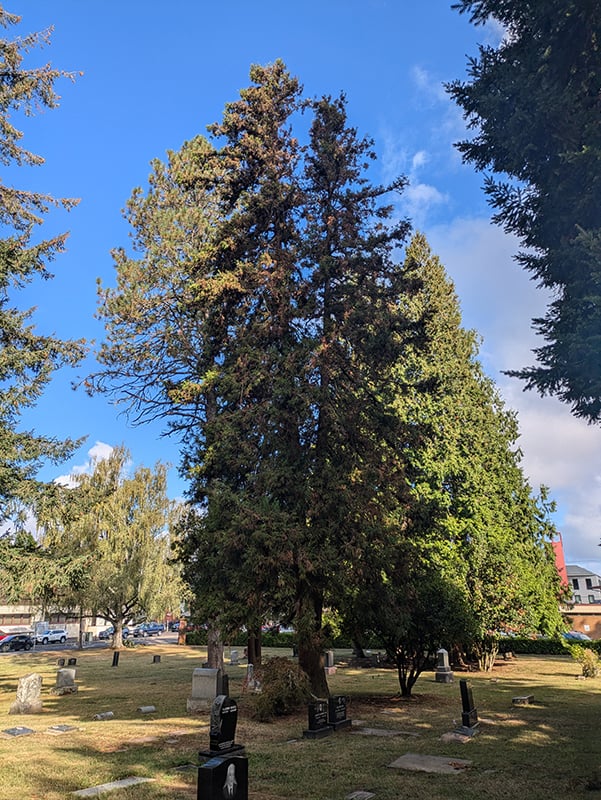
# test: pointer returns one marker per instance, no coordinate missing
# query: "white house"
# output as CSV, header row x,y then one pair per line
x,y
584,585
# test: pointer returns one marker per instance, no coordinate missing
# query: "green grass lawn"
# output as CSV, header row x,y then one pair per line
x,y
550,749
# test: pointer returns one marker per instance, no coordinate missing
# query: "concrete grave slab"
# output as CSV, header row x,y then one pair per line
x,y
458,738
96,791
440,764
360,795
59,730
143,740
19,730
523,700
383,732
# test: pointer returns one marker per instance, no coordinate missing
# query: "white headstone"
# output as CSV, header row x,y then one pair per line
x,y
206,685
29,692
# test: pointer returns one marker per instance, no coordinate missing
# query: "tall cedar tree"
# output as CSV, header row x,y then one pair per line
x,y
27,359
472,555
290,303
534,103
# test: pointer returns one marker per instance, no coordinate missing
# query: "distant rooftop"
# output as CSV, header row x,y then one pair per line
x,y
574,571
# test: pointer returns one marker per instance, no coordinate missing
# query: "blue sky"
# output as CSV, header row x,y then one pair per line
x,y
155,75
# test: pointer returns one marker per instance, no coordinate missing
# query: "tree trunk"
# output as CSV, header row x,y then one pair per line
x,y
308,627
253,649
80,628
214,648
117,635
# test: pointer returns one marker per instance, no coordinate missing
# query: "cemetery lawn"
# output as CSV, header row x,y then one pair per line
x,y
549,749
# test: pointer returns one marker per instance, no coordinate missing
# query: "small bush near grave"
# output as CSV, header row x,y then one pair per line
x,y
285,689
591,664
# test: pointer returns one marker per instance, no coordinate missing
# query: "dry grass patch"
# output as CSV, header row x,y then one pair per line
x,y
548,749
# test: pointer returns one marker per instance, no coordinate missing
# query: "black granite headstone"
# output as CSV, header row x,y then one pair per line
x,y
224,717
337,718
318,720
116,658
223,778
222,731
72,662
61,662
469,714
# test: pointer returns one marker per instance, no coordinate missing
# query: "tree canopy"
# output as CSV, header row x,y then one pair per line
x,y
533,103
121,525
470,553
27,358
337,431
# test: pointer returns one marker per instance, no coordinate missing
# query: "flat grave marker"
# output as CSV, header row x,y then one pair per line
x,y
19,730
445,765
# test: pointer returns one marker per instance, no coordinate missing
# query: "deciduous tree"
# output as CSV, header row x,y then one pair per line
x,y
122,523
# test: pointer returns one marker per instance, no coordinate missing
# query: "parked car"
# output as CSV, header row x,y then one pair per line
x,y
16,641
174,625
149,629
107,633
576,636
52,636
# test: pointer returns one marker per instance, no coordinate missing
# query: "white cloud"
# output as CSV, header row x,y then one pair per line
x,y
431,89
418,200
99,452
498,299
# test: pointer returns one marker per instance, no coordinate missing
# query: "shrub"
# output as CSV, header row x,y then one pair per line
x,y
591,664
284,689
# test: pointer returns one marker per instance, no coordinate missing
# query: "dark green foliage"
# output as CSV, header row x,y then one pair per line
x,y
528,646
261,320
27,358
285,688
470,552
534,105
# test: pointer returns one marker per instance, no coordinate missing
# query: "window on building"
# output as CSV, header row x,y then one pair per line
x,y
589,583
575,583
577,598
591,598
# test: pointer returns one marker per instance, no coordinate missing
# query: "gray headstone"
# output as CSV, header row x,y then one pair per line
x,y
206,686
29,692
65,681
443,670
